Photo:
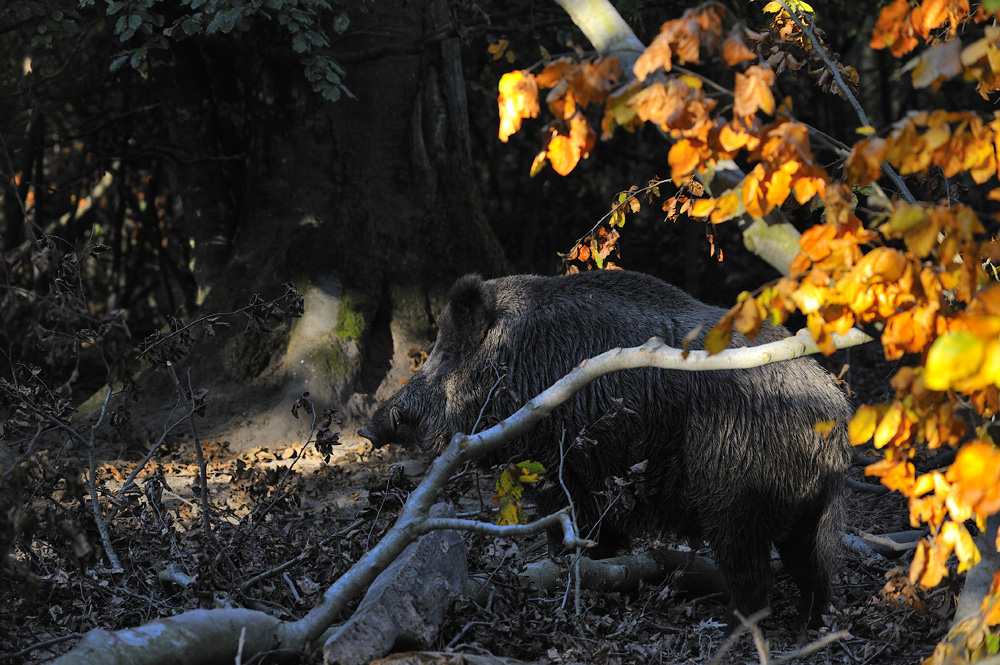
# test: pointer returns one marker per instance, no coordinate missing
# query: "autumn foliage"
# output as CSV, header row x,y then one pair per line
x,y
921,275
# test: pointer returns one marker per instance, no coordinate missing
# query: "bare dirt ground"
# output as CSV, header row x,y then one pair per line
x,y
290,521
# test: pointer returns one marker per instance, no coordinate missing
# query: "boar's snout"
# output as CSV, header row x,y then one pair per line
x,y
368,432
384,427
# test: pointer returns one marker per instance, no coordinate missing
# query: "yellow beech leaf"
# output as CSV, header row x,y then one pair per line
x,y
889,425
956,537
798,6
809,297
691,81
727,206
719,337
538,163
754,200
806,187
702,207
953,356
862,425
824,427
975,474
924,484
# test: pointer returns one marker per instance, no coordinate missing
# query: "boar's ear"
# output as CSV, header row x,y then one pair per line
x,y
473,307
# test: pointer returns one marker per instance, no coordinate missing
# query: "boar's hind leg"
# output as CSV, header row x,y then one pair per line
x,y
745,564
809,566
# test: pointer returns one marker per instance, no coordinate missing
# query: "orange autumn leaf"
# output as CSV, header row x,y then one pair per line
x,y
929,565
684,157
893,30
930,14
895,474
658,54
518,100
563,154
498,49
882,264
864,164
749,316
581,134
809,182
954,537
732,137
753,91
553,72
734,48
682,39
779,185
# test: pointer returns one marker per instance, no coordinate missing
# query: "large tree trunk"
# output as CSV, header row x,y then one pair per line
x,y
369,207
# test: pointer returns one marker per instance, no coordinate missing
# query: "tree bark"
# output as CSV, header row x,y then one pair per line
x,y
369,207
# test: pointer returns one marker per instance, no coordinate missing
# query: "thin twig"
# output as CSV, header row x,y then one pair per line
x,y
102,525
17,655
206,511
862,116
744,626
572,515
272,572
489,396
812,647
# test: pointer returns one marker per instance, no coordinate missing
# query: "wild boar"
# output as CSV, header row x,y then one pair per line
x,y
731,458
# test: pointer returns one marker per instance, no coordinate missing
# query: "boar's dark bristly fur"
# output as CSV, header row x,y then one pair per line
x,y
732,457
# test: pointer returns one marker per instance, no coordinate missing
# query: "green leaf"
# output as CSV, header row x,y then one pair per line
x,y
119,61
138,57
342,21
595,254
534,467
190,26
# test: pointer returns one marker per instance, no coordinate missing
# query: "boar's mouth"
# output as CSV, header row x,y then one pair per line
x,y
395,425
368,432
389,427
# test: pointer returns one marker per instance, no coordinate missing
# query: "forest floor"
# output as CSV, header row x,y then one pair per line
x,y
292,507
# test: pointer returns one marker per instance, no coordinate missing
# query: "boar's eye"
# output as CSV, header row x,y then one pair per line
x,y
394,418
